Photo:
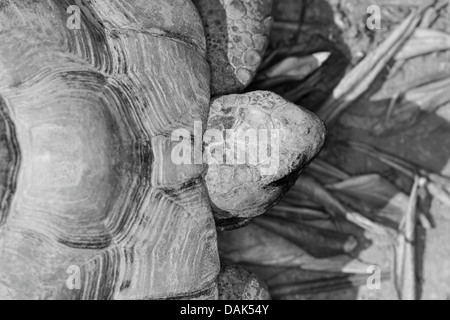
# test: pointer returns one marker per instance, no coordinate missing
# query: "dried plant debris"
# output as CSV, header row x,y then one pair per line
x,y
360,78
375,193
254,245
316,241
408,79
438,185
334,207
325,170
291,69
305,29
428,97
322,285
405,109
424,41
405,267
332,220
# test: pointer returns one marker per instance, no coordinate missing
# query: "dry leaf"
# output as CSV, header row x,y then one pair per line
x,y
297,67
377,192
360,78
396,163
322,167
318,242
424,41
290,69
297,213
310,187
313,189
406,258
428,97
336,283
439,192
396,90
254,245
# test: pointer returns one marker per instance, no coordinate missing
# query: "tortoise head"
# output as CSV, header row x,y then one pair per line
x,y
263,144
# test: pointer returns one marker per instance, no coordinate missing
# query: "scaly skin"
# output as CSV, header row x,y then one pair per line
x,y
237,35
237,283
241,191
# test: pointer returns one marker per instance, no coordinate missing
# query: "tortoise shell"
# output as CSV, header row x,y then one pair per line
x,y
86,178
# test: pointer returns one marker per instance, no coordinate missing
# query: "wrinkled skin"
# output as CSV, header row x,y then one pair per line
x,y
242,191
237,283
87,182
237,35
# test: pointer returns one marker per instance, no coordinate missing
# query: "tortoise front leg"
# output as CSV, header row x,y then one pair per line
x,y
237,34
240,189
237,283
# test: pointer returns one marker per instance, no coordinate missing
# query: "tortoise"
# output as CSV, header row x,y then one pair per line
x,y
88,186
